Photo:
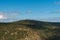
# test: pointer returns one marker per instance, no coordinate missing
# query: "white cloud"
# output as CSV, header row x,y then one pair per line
x,y
58,11
53,19
55,12
3,17
8,16
57,2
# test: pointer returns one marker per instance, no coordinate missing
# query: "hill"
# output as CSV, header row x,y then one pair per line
x,y
30,30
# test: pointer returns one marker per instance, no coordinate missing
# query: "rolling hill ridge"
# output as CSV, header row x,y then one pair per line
x,y
30,30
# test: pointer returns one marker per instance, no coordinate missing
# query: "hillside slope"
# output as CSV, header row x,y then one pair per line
x,y
29,30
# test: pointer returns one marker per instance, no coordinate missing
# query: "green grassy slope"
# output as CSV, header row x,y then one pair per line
x,y
29,30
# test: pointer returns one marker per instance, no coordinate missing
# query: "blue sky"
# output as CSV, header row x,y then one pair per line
x,y
11,10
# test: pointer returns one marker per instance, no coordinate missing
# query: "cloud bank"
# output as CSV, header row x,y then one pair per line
x,y
8,16
3,17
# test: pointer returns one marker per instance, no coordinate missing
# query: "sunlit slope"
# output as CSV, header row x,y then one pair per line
x,y
29,30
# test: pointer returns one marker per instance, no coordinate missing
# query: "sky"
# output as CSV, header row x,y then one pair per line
x,y
14,10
